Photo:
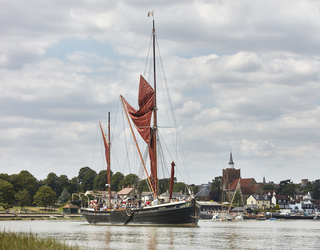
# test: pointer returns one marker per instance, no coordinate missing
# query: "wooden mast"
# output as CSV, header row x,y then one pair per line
x,y
109,163
155,126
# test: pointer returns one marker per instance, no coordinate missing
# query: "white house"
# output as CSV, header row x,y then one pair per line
x,y
259,202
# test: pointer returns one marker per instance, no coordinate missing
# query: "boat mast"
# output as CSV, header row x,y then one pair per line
x,y
109,163
155,126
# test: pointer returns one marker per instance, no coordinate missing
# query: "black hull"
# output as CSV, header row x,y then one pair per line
x,y
294,217
169,214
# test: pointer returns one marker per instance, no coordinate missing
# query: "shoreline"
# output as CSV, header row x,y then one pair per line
x,y
17,216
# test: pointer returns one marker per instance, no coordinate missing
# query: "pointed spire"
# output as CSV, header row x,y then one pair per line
x,y
231,160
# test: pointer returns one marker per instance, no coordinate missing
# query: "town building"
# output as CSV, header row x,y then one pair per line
x,y
281,200
259,202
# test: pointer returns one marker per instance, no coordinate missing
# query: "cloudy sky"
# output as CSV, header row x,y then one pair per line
x,y
243,75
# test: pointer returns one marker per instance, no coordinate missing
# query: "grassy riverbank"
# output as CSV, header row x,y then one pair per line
x,y
26,241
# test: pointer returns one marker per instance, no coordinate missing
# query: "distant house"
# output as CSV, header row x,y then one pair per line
x,y
175,195
305,205
127,192
145,196
101,194
259,202
281,200
70,209
203,194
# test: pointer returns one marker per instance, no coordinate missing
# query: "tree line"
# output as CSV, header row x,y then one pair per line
x,y
24,189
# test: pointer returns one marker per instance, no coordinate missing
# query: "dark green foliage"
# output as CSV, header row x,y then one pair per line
x,y
23,198
74,185
215,189
45,196
6,194
86,178
24,180
64,197
316,190
287,188
179,186
101,180
164,185
52,181
269,187
130,180
115,181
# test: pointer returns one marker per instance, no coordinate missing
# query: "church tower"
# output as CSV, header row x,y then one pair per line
x,y
229,174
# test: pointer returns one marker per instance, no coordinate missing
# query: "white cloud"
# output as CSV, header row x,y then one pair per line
x,y
241,75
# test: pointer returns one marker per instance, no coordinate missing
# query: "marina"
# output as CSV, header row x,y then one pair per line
x,y
252,234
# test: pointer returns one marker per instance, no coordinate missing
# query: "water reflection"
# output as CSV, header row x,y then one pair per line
x,y
209,235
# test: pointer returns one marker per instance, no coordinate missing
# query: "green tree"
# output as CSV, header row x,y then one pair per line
x,y
64,182
6,194
86,178
269,187
23,198
164,185
215,191
179,186
24,180
131,180
45,196
115,181
101,180
52,181
316,190
74,185
143,186
65,195
194,188
286,187
5,177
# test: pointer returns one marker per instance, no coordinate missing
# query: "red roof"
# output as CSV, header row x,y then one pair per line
x,y
243,183
281,197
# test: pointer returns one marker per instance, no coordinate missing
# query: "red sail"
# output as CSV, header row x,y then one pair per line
x,y
142,117
106,146
142,120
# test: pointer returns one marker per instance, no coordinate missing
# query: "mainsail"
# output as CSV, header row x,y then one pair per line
x,y
142,121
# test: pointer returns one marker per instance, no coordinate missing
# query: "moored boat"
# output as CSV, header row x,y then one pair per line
x,y
185,212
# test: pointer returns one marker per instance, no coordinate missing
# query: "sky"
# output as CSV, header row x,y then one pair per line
x,y
242,75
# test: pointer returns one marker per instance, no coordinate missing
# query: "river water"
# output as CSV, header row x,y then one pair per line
x,y
281,234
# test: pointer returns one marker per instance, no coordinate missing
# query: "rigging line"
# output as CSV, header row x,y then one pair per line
x,y
148,54
115,121
163,162
184,163
126,144
112,153
173,135
94,148
161,71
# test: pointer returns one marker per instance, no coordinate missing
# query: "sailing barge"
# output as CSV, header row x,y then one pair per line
x,y
186,212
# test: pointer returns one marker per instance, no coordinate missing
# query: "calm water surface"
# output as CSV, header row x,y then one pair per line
x,y
209,234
